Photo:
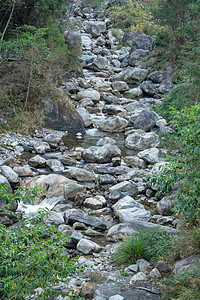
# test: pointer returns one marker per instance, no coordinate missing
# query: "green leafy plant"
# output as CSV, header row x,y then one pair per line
x,y
183,168
32,255
149,244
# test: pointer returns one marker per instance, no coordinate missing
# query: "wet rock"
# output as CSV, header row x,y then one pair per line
x,y
71,189
140,140
87,247
37,161
10,174
52,185
106,140
96,202
75,215
112,110
80,174
134,106
55,165
89,93
145,120
122,189
101,154
85,116
134,161
100,62
74,237
23,171
114,124
86,102
65,159
134,93
120,86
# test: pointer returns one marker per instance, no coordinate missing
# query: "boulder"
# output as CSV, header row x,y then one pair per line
x,y
54,137
132,214
96,202
140,276
102,154
4,181
10,174
131,75
135,56
85,116
186,264
119,232
137,40
80,174
24,171
140,140
88,247
89,93
72,189
114,124
134,93
120,86
41,147
135,162
55,165
122,189
92,29
86,42
149,88
100,62
165,86
165,206
37,161
151,156
145,120
156,76
106,140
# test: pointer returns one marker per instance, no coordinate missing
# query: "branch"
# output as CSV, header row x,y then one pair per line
x,y
8,22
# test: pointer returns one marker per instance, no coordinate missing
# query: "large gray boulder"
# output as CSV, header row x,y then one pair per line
x,y
137,40
151,155
131,75
92,29
80,174
41,147
55,165
140,140
37,161
85,116
10,174
120,86
135,57
72,189
89,93
134,93
88,247
122,189
145,120
165,206
102,154
114,124
149,88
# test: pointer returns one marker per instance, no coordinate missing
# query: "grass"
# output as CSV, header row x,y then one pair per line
x,y
150,244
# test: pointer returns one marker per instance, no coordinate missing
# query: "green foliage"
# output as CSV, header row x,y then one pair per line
x,y
184,286
183,169
31,255
149,244
134,16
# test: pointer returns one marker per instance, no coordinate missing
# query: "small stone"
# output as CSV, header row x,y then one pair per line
x,y
140,276
154,273
163,266
88,290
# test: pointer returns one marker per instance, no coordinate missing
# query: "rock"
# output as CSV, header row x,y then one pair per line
x,y
186,264
61,115
119,232
37,161
149,88
102,169
140,276
100,62
86,102
165,206
54,138
88,290
143,265
120,86
4,181
135,161
165,86
116,297
114,124
10,174
74,238
130,214
73,38
66,159
55,165
134,107
126,202
71,189
151,155
140,140
162,266
23,171
156,76
51,185
106,179
89,93
133,268
86,42
76,215
87,247
137,40
122,189
101,154
145,120
135,56
131,75
93,30
80,174
96,202
112,110
41,147
54,218
154,273
106,140
133,93
85,116
70,87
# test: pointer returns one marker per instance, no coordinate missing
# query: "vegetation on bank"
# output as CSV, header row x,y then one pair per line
x,y
34,58
32,255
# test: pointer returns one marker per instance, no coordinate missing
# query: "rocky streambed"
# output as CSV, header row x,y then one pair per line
x,y
94,184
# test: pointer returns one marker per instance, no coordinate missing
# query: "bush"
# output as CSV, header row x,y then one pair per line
x,y
31,255
149,244
183,169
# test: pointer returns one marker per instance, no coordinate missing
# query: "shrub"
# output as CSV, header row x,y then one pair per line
x,y
31,255
149,244
184,286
